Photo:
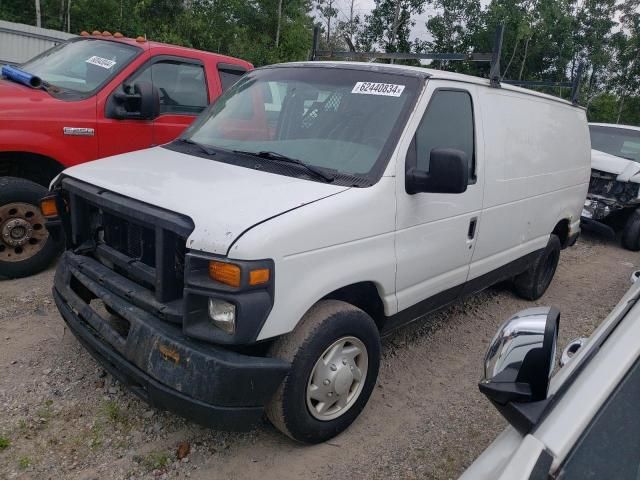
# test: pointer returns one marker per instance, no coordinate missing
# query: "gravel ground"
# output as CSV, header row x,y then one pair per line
x,y
61,416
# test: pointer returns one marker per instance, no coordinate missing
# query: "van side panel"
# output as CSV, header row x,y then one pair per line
x,y
537,155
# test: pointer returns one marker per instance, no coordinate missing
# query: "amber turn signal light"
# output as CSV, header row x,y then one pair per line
x,y
227,273
259,277
48,207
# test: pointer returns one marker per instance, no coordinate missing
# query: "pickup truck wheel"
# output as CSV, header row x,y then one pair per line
x,y
532,284
335,356
25,245
631,232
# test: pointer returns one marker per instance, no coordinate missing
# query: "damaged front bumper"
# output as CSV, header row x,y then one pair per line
x,y
599,208
209,384
595,211
607,196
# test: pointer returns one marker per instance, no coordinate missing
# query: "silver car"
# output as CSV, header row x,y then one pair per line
x,y
582,423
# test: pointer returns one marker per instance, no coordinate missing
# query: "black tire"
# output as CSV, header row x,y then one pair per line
x,y
631,232
325,323
19,190
532,284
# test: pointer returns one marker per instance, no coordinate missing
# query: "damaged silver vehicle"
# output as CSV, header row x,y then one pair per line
x,y
613,201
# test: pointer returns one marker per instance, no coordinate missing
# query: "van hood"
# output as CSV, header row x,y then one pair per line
x,y
223,200
627,170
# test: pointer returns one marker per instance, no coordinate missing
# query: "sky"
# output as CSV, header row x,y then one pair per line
x,y
362,7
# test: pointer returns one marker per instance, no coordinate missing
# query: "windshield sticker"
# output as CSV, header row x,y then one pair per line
x,y
101,62
386,89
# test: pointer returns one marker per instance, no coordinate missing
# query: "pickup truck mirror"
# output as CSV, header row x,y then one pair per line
x,y
518,365
138,101
448,173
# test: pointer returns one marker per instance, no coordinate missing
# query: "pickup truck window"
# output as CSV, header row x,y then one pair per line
x,y
229,75
447,123
83,65
182,86
620,142
344,120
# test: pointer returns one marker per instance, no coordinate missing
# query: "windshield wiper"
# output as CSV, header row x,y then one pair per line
x,y
201,146
283,158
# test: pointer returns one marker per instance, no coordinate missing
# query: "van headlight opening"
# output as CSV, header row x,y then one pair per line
x,y
223,314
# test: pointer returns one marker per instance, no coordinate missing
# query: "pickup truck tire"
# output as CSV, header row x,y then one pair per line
x,y
631,232
532,284
325,364
25,245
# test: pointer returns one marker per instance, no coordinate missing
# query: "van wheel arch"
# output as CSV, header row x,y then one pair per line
x,y
37,168
363,295
561,230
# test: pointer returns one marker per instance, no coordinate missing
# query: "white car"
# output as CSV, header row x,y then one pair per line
x,y
613,201
254,263
584,422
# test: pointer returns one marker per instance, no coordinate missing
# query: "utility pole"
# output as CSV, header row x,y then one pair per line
x,y
351,8
329,21
38,16
279,22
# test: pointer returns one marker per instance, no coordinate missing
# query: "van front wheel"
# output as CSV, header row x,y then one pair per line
x,y
335,356
532,284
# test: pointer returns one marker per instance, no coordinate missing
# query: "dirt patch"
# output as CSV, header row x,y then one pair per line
x,y
61,416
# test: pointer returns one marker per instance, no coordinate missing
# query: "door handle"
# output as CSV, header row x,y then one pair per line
x,y
471,233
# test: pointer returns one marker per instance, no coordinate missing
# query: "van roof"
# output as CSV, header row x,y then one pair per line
x,y
423,72
615,125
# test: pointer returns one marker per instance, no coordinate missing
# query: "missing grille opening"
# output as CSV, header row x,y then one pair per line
x,y
79,289
120,324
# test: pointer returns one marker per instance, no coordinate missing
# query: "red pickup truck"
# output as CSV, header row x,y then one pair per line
x,y
91,97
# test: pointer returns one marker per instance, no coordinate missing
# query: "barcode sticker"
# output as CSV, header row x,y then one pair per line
x,y
100,62
386,89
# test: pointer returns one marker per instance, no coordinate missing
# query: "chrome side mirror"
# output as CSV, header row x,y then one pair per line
x,y
519,363
635,276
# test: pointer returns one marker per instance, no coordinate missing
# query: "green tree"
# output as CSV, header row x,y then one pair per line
x,y
625,77
453,29
389,25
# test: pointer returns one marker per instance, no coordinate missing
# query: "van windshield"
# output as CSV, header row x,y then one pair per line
x,y
338,119
81,66
621,142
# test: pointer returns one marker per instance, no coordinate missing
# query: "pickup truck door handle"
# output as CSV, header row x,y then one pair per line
x,y
472,228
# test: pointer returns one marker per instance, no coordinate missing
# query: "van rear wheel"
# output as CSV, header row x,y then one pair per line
x,y
25,245
631,232
532,284
335,357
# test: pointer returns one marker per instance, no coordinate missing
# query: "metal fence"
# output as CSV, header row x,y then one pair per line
x,y
19,42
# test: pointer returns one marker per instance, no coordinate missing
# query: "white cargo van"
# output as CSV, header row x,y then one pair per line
x,y
254,263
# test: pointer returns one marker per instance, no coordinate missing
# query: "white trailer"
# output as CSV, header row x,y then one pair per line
x,y
20,42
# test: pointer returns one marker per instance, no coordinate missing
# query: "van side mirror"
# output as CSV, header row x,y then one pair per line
x,y
138,101
448,173
518,365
